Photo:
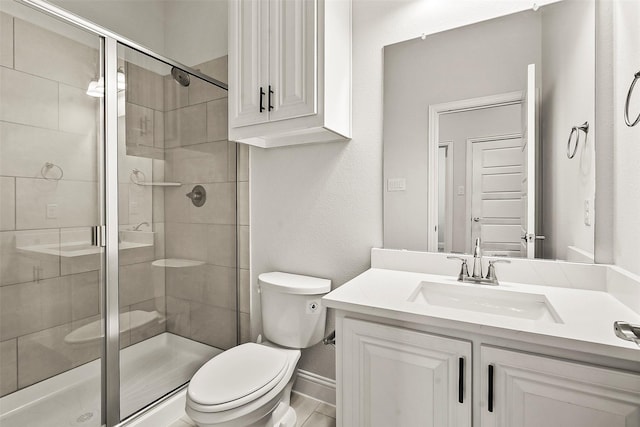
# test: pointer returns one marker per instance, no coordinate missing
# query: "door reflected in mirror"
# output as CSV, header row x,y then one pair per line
x,y
476,123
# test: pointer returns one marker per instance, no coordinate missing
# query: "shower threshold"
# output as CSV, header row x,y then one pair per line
x,y
149,370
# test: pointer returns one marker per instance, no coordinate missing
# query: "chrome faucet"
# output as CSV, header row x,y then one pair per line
x,y
137,227
477,277
477,260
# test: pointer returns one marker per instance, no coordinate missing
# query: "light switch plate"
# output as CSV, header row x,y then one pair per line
x,y
396,184
52,211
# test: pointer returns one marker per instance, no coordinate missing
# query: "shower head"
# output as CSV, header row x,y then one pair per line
x,y
180,76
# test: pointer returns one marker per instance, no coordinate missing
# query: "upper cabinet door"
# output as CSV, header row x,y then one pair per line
x,y
532,391
293,49
248,62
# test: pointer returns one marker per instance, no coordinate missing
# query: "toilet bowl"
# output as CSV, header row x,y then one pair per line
x,y
250,385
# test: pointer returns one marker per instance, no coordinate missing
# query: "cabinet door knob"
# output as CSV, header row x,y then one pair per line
x,y
261,99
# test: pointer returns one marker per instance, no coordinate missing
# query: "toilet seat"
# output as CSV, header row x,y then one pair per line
x,y
237,376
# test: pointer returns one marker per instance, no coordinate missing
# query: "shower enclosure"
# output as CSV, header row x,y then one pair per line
x,y
118,226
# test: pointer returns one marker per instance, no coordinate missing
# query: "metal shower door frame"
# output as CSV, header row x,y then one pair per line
x,y
108,190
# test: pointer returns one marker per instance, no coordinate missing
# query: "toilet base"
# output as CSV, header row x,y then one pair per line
x,y
276,413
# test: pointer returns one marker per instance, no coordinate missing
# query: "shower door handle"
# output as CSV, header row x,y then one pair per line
x,y
261,100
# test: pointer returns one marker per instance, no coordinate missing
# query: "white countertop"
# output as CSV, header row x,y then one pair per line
x,y
587,315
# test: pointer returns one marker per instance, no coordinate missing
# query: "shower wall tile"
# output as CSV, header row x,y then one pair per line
x,y
25,149
243,203
144,87
139,125
220,207
136,283
158,129
178,316
209,284
243,162
76,203
216,68
243,238
85,295
20,310
47,54
217,120
6,40
7,203
214,244
43,354
245,291
232,159
78,112
186,126
159,240
245,328
175,95
8,366
28,99
213,325
201,91
18,264
55,300
198,163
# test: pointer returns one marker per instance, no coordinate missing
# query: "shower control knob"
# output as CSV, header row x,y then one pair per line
x,y
198,195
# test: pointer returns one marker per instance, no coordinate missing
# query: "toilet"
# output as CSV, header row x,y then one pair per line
x,y
250,385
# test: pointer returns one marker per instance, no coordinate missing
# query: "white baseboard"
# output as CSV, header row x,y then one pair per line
x,y
315,386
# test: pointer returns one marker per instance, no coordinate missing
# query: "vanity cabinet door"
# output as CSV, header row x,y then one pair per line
x,y
399,377
536,391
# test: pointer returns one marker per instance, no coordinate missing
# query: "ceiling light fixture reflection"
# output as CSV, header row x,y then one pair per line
x,y
96,87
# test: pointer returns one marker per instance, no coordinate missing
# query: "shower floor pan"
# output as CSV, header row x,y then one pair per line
x,y
149,370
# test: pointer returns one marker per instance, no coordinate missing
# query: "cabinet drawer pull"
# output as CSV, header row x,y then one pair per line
x,y
270,93
461,380
490,391
261,99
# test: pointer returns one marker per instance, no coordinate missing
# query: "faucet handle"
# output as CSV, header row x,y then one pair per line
x,y
491,272
464,269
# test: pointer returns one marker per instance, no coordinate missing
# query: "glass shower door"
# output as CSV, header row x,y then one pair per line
x,y
177,217
51,199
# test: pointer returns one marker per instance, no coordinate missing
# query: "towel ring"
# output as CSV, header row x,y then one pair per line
x,y
636,77
136,173
575,130
47,167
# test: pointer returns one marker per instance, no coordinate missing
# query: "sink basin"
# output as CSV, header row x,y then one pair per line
x,y
486,300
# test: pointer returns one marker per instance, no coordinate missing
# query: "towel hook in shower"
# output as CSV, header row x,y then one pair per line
x,y
575,130
636,77
47,167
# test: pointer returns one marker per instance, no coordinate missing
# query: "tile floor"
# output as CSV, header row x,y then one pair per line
x,y
310,412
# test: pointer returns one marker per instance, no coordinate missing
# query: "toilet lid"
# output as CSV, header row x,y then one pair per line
x,y
249,370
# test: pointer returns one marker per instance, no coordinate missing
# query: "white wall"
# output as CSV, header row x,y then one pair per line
x,y
195,31
568,99
627,140
317,209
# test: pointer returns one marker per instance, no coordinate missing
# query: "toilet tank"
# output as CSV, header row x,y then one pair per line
x,y
292,315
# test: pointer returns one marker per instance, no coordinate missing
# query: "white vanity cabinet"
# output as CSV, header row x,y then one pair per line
x,y
400,377
289,71
527,390
396,376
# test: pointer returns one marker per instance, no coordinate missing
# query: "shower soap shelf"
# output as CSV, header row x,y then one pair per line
x,y
176,263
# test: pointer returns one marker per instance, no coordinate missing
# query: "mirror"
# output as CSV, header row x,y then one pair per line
x,y
489,133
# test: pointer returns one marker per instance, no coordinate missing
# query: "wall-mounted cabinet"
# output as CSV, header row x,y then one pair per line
x,y
289,71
